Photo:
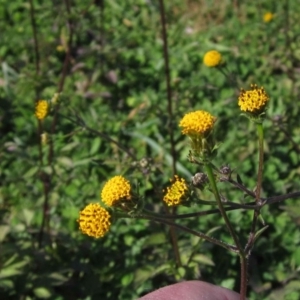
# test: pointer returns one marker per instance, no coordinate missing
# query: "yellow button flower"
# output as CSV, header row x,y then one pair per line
x,y
94,220
116,190
268,17
197,123
177,192
212,58
253,101
41,109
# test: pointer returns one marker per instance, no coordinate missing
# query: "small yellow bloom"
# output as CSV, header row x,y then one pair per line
x,y
197,123
94,220
116,190
268,17
253,101
41,109
212,58
177,192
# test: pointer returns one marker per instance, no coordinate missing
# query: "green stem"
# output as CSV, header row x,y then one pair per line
x,y
260,132
258,200
214,188
243,258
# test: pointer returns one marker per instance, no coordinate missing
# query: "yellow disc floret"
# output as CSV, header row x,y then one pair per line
x,y
115,190
212,58
197,123
268,17
177,192
254,100
41,109
94,220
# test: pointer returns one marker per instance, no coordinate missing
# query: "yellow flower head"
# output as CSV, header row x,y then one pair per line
x,y
116,190
177,192
94,220
253,101
41,109
197,123
212,58
268,17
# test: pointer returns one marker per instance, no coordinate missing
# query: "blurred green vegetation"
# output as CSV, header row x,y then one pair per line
x,y
115,82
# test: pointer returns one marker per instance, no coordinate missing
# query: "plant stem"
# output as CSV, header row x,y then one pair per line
x,y
276,199
260,133
243,259
168,82
191,231
35,38
244,276
214,188
200,213
258,200
170,116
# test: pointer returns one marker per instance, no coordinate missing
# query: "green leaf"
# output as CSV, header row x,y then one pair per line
x,y
127,279
228,283
28,215
155,239
4,230
42,293
203,259
95,146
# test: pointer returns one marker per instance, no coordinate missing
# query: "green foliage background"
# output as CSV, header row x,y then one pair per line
x,y
116,84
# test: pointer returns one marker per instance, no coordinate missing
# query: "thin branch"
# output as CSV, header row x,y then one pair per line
x,y
35,39
170,115
240,186
191,231
276,199
168,83
81,123
66,64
